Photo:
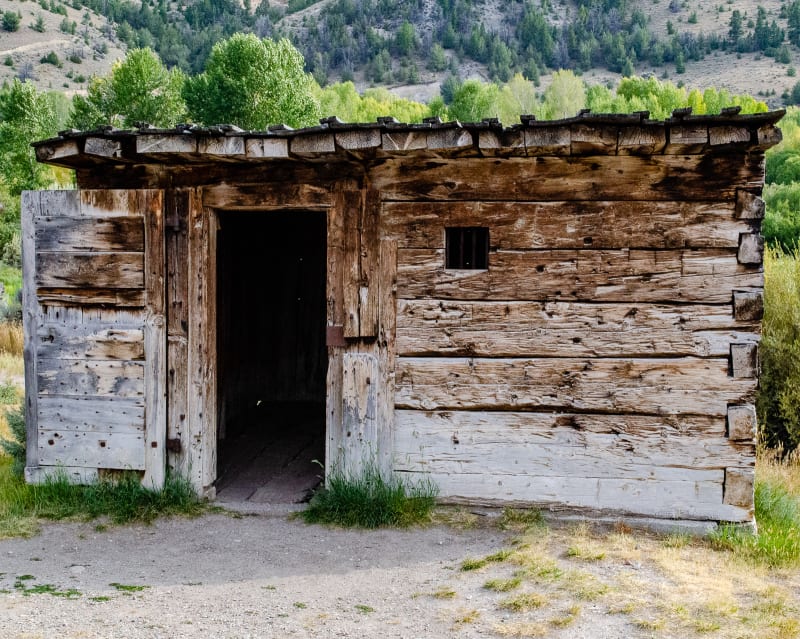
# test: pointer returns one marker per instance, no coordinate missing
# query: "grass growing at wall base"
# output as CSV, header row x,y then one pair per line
x,y
370,500
122,501
777,509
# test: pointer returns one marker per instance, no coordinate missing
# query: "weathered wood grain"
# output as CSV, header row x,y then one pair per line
x,y
105,203
31,318
86,234
748,305
620,446
751,248
742,423
359,411
90,377
662,177
749,206
566,329
266,196
369,294
663,499
155,344
744,360
553,225
202,364
625,275
94,414
739,487
663,386
122,298
90,449
90,270
90,341
350,203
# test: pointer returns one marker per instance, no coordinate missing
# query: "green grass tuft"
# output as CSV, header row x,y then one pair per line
x,y
122,501
370,500
777,542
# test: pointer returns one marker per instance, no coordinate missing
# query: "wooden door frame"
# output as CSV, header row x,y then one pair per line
x,y
205,207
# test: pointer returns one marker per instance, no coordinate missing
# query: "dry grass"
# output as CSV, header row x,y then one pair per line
x,y
11,339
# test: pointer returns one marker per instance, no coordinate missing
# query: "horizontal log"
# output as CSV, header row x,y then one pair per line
x,y
104,203
566,329
266,196
123,298
122,451
626,275
531,225
665,386
90,270
95,414
663,499
573,445
89,341
86,234
72,315
659,177
90,377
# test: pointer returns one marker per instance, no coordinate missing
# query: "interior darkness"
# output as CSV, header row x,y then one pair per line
x,y
271,354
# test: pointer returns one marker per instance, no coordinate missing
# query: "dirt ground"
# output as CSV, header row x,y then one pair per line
x,y
269,576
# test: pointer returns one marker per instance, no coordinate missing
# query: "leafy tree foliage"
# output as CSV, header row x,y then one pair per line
x,y
252,83
138,89
25,115
346,103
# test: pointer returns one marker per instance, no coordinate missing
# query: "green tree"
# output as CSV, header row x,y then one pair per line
x,y
517,97
25,115
406,39
253,83
438,60
11,21
565,96
138,89
474,100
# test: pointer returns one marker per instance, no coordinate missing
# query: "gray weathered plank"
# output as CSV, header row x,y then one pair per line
x,y
89,234
576,445
566,329
597,225
96,414
91,449
31,318
663,499
92,341
90,270
666,386
90,377
626,275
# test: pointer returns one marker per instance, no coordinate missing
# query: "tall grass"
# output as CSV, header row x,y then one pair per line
x,y
370,500
778,399
11,340
777,509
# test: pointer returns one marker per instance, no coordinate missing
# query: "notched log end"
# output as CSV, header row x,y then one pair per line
x,y
748,305
742,423
744,360
739,487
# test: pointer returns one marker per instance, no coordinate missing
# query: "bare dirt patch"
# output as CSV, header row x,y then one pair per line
x,y
266,576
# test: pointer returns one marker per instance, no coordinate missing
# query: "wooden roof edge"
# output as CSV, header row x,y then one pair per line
x,y
586,133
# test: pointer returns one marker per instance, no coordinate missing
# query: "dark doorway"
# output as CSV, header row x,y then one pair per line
x,y
271,355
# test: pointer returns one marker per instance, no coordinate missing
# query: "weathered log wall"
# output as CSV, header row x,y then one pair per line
x,y
594,364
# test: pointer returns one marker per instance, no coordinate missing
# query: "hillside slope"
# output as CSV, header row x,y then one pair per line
x,y
412,45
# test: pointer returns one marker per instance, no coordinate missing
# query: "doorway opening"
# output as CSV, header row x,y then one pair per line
x,y
271,354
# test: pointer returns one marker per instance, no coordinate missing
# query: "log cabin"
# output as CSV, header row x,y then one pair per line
x,y
560,314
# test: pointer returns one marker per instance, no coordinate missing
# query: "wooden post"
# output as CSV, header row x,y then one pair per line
x,y
30,320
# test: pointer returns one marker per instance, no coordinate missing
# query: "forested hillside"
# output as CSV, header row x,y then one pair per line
x,y
423,42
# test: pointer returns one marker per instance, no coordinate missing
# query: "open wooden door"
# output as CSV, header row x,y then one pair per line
x,y
95,336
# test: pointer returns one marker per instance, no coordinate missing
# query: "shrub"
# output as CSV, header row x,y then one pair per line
x,y
781,225
778,400
10,21
370,500
51,58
